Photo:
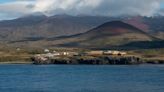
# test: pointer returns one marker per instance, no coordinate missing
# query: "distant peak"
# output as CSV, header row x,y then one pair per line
x,y
114,23
61,16
36,14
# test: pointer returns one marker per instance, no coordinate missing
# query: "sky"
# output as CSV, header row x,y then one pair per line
x,y
10,9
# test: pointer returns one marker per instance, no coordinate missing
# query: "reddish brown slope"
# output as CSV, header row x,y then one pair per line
x,y
113,33
138,22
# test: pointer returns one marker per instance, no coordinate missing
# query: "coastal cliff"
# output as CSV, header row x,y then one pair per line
x,y
90,60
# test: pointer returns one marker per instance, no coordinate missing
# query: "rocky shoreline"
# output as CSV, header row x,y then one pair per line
x,y
101,60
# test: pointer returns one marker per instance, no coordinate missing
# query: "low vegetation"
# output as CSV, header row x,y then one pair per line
x,y
150,55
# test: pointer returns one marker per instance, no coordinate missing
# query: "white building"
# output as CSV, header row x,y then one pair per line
x,y
46,50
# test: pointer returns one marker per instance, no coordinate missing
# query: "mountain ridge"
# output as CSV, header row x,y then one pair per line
x,y
113,33
49,31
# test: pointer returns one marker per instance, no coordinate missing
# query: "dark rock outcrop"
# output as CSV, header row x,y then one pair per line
x,y
106,60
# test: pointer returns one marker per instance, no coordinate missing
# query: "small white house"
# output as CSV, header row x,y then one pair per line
x,y
18,49
46,50
109,52
65,53
114,53
49,55
55,53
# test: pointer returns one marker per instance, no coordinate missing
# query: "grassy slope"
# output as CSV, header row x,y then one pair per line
x,y
149,54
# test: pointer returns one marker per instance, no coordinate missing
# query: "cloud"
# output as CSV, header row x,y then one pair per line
x,y
16,9
99,7
85,7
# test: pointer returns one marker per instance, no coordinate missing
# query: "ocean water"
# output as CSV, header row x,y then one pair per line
x,y
81,78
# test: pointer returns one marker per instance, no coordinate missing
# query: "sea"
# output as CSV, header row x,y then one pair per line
x,y
81,78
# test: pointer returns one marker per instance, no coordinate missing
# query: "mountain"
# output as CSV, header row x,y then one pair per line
x,y
138,22
151,25
72,31
110,34
39,26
